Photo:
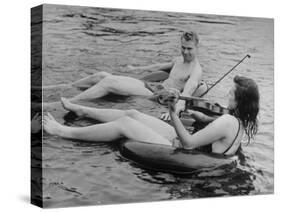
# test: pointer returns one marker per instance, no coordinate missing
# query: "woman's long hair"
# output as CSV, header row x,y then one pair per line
x,y
247,98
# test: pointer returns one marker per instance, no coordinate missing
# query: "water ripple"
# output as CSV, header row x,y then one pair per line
x,y
81,41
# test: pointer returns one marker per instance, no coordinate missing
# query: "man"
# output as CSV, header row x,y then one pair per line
x,y
185,76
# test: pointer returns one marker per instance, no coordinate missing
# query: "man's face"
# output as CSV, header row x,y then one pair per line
x,y
188,50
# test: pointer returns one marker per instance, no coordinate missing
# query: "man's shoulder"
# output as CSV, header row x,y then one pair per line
x,y
198,66
178,59
196,61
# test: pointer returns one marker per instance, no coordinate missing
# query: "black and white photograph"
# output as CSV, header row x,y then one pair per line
x,y
135,106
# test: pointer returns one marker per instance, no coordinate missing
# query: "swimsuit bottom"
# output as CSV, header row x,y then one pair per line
x,y
158,87
154,87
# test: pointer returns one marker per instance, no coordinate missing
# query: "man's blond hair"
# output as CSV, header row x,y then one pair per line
x,y
190,36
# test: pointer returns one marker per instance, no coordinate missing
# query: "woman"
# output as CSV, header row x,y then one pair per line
x,y
223,134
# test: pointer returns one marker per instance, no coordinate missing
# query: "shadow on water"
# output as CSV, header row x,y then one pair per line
x,y
231,179
226,180
234,179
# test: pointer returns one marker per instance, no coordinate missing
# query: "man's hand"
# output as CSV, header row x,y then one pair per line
x,y
180,107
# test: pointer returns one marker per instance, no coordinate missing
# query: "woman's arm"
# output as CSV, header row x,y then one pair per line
x,y
183,134
198,116
217,130
213,132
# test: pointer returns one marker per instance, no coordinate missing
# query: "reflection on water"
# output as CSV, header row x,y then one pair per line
x,y
79,41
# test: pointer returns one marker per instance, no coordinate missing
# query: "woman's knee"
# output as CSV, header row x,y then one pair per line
x,y
107,81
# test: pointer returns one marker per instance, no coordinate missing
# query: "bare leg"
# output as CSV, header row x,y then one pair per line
x,y
108,115
101,84
102,115
121,85
93,92
45,105
124,127
83,83
89,81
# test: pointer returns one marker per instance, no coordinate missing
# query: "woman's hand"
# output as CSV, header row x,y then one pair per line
x,y
167,96
198,116
172,99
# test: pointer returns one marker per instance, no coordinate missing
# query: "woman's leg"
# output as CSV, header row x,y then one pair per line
x,y
99,132
124,127
107,115
102,115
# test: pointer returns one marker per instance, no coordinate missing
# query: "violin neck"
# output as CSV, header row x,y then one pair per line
x,y
203,105
192,98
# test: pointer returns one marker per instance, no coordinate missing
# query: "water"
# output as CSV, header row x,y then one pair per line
x,y
79,41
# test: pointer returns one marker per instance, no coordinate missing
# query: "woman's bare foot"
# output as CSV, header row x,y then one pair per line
x,y
67,105
51,126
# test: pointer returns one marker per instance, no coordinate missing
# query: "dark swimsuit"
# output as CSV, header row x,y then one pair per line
x,y
233,140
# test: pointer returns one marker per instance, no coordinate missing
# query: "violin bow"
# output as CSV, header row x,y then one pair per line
x,y
200,97
247,56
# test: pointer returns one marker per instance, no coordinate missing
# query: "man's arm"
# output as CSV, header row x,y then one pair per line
x,y
190,87
193,82
155,67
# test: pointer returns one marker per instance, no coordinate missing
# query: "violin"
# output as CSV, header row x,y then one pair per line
x,y
203,105
194,103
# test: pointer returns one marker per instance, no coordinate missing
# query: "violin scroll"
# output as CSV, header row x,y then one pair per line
x,y
206,107
169,95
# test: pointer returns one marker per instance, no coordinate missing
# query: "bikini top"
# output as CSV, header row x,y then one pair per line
x,y
234,140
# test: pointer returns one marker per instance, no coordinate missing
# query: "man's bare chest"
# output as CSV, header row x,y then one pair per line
x,y
181,71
